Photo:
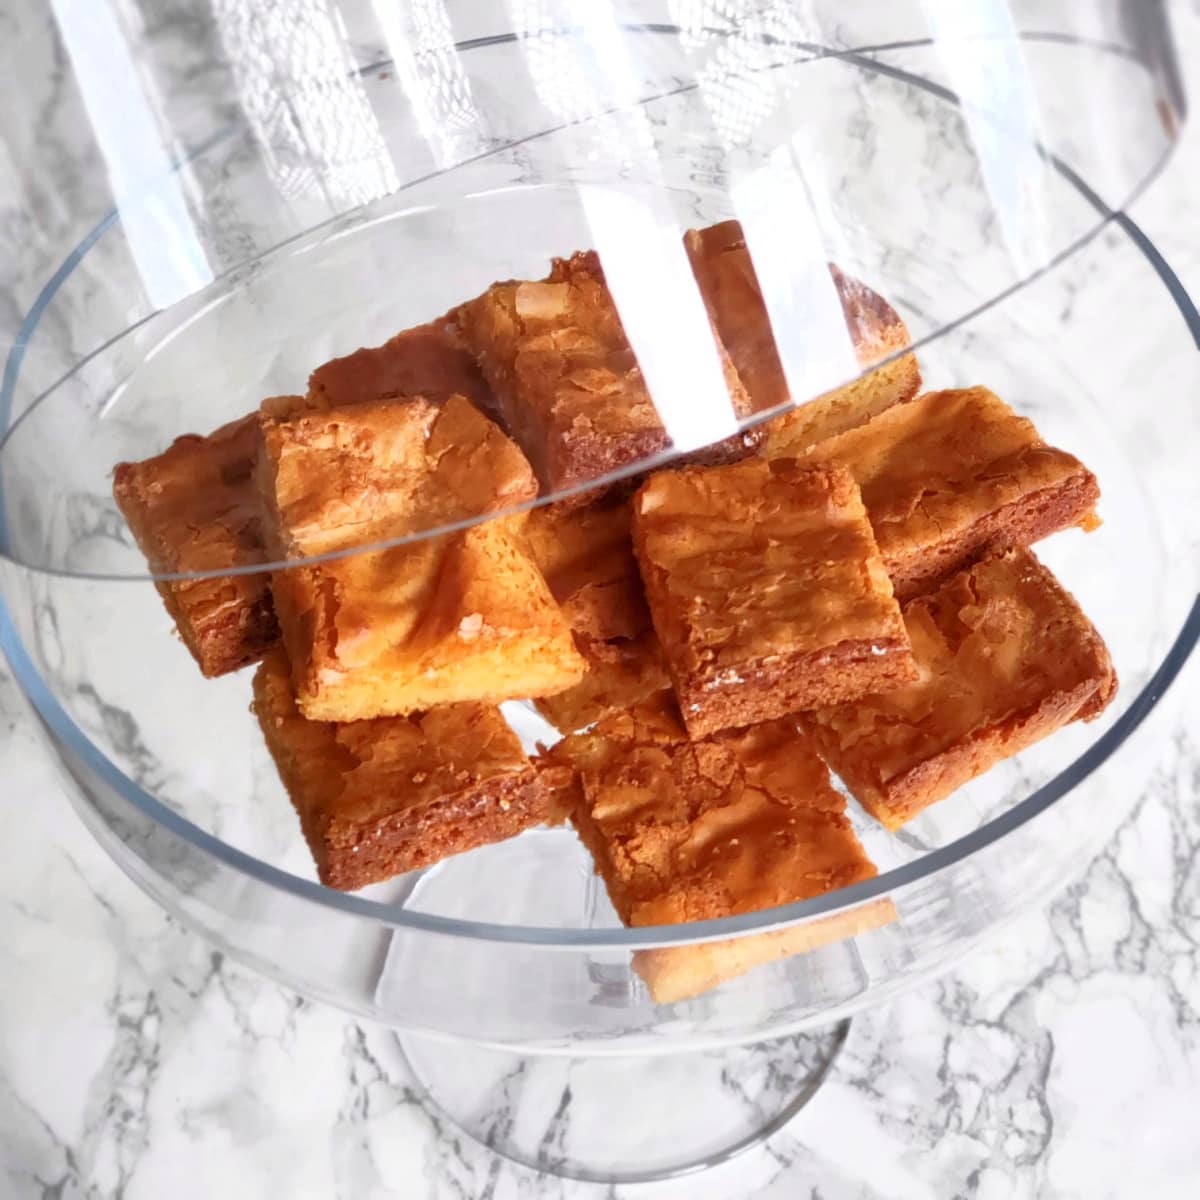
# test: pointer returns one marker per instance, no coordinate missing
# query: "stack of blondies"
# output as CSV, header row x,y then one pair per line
x,y
847,586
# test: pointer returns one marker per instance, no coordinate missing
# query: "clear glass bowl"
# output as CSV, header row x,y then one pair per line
x,y
344,181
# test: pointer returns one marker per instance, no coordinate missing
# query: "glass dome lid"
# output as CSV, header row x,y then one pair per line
x,y
403,276
874,179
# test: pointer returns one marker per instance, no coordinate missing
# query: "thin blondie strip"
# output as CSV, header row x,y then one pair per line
x,y
586,554
194,508
767,590
721,262
1005,658
954,474
689,830
380,797
621,673
566,380
447,617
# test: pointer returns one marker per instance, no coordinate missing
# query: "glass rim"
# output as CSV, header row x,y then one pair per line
x,y
858,56
888,884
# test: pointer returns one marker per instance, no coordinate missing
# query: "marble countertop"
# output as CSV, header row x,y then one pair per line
x,y
1062,1060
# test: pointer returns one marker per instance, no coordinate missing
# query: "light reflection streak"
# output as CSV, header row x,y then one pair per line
x,y
636,232
305,106
420,40
147,191
982,55
759,125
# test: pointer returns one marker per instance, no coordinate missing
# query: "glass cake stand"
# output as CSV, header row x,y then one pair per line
x,y
334,175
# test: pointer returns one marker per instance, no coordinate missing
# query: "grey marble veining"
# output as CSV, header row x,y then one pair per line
x,y
1061,1061
136,1062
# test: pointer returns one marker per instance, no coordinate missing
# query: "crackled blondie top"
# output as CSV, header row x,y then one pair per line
x,y
767,590
686,830
447,617
1005,657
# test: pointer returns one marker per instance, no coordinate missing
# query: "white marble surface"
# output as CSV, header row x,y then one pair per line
x,y
1061,1061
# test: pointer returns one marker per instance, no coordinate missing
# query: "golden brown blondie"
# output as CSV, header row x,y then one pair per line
x,y
428,360
767,590
194,508
586,554
954,474
1005,658
566,380
728,281
379,797
689,830
455,616
621,673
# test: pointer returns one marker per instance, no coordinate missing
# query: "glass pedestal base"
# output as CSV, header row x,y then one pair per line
x,y
622,1118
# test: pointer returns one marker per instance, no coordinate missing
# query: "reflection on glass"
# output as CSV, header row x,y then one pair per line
x,y
420,40
651,282
985,64
811,336
307,109
149,197
638,236
772,195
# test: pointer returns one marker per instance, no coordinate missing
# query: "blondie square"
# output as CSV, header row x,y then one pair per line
x,y
194,508
463,615
1005,657
429,360
767,590
954,474
685,830
379,797
725,273
566,380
